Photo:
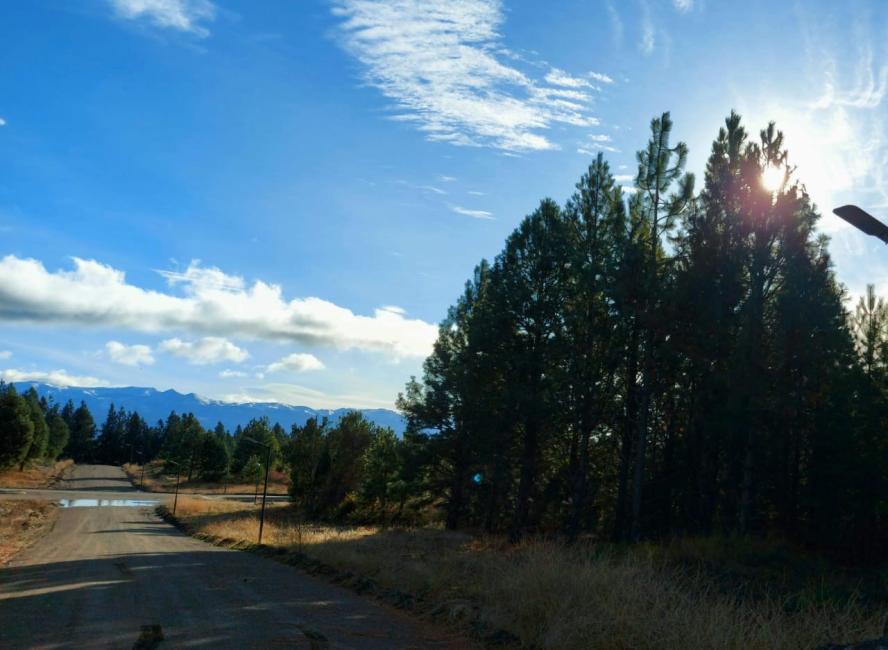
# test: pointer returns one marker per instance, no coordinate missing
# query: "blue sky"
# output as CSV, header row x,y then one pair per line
x,y
279,200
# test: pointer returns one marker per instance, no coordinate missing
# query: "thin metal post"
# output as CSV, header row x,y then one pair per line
x,y
264,493
176,498
258,476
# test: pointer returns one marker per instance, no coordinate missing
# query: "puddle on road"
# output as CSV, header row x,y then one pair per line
x,y
102,503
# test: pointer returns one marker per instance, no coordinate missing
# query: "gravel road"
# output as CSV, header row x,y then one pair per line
x,y
120,577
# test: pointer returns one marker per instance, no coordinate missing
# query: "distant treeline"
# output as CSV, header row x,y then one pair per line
x,y
335,470
661,361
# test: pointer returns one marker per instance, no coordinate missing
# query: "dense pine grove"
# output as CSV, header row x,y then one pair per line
x,y
671,362
633,364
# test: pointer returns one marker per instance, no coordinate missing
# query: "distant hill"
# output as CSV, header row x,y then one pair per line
x,y
154,405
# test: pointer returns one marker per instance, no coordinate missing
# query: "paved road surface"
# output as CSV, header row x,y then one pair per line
x,y
104,572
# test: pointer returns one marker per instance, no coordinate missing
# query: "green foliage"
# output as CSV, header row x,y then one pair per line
x,y
330,465
245,445
677,362
40,435
82,427
58,435
16,427
214,459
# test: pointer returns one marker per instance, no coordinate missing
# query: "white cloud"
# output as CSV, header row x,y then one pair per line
x,y
624,178
129,355
596,142
446,179
213,304
424,188
227,374
2,122
601,77
441,63
394,309
210,349
558,77
476,193
296,395
648,39
5,354
181,15
296,362
596,137
475,214
54,377
683,5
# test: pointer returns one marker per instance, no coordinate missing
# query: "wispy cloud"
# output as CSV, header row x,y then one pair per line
x,y
424,188
683,5
129,355
446,179
596,142
296,395
228,373
476,193
181,15
442,64
5,354
2,122
601,77
648,36
475,214
54,377
210,349
212,303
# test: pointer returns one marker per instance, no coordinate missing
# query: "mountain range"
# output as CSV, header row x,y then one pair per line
x,y
154,405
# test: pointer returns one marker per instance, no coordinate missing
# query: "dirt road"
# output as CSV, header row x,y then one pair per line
x,y
106,576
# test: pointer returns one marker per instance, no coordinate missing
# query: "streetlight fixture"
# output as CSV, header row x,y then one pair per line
x,y
265,489
863,221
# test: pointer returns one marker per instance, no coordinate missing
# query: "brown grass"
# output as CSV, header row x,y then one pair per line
x,y
550,595
158,480
22,523
38,475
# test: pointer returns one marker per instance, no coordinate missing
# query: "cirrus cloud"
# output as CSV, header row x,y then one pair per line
x,y
181,15
212,303
442,64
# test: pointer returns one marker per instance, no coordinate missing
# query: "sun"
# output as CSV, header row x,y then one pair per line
x,y
772,178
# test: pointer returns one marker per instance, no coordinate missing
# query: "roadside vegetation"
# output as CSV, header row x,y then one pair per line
x,y
697,593
37,475
159,477
22,522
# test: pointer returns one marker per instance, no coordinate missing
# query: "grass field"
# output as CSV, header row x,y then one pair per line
x,y
39,475
687,594
22,523
158,479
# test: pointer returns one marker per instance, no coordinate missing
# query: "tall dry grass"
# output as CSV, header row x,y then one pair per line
x,y
158,479
550,595
35,475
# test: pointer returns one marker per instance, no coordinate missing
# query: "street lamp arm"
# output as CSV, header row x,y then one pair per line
x,y
863,221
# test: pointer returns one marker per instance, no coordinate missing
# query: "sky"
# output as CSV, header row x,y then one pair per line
x,y
278,200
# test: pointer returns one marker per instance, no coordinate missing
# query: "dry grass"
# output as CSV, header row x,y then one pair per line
x,y
550,595
158,480
35,476
22,523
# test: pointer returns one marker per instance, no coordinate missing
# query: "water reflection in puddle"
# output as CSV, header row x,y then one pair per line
x,y
101,503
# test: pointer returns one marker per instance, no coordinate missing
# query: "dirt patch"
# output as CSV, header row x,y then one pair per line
x,y
36,476
22,523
